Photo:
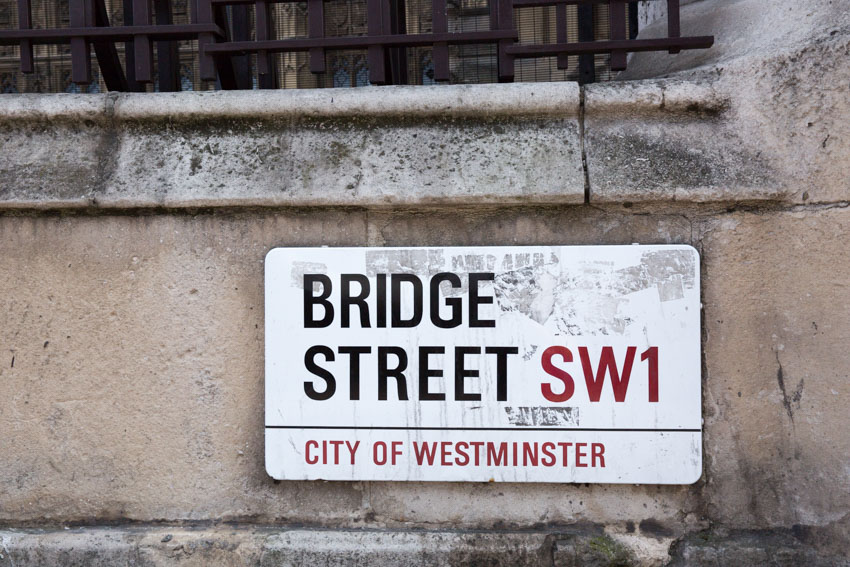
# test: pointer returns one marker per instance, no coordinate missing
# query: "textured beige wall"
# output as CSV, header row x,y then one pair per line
x,y
136,387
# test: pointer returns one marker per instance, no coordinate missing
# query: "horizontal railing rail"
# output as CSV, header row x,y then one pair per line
x,y
112,33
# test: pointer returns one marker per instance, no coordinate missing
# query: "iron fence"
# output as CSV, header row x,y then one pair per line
x,y
245,44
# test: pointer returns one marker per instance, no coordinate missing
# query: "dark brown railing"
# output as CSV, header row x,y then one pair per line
x,y
223,32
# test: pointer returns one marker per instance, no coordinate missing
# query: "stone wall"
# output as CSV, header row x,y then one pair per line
x,y
132,235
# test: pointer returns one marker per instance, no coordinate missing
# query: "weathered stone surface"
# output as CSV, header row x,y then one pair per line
x,y
131,371
375,147
506,549
778,548
53,164
444,101
131,381
670,141
585,546
591,551
742,29
133,346
151,547
483,226
794,108
784,67
355,161
56,108
776,358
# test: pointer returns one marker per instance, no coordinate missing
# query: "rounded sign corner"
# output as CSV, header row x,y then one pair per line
x,y
273,252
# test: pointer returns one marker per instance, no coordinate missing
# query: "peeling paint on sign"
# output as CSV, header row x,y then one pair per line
x,y
542,416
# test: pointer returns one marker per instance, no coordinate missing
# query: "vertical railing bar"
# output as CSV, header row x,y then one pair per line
x,y
504,60
142,46
167,56
224,64
25,23
561,34
633,20
81,16
316,29
586,63
203,14
396,24
375,53
129,53
261,17
617,23
386,29
440,51
493,6
241,32
107,54
266,70
673,24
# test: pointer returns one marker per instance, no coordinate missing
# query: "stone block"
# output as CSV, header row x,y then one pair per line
x,y
776,300
506,144
131,372
784,68
669,141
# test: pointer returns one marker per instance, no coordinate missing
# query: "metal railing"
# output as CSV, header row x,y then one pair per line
x,y
225,34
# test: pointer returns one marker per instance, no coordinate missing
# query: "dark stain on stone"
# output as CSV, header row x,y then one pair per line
x,y
787,400
778,546
654,528
801,532
195,164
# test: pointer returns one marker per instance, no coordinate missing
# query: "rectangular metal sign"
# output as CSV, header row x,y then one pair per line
x,y
513,364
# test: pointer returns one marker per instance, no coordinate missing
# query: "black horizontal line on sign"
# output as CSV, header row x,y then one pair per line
x,y
481,428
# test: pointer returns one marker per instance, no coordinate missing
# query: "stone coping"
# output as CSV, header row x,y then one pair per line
x,y
658,96
522,143
487,100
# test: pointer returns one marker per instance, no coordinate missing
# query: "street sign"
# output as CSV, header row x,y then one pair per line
x,y
507,364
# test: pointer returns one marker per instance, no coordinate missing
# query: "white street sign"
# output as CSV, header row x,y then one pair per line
x,y
509,364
